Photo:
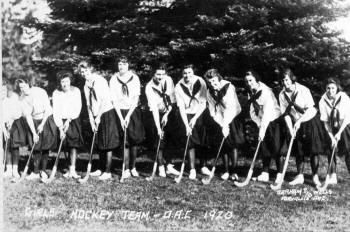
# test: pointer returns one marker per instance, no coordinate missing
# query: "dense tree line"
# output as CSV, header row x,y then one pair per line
x,y
231,35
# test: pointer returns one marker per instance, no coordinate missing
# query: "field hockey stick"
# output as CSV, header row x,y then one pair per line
x,y
251,169
66,154
54,168
88,170
5,153
123,166
155,161
178,179
24,173
279,185
324,187
207,180
7,129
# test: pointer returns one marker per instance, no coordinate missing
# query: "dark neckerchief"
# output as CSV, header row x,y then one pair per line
x,y
125,89
334,117
92,94
195,90
254,96
163,95
291,103
218,95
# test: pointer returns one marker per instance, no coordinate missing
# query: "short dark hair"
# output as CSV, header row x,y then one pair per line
x,y
211,73
23,79
123,59
333,80
160,66
191,66
10,84
289,73
84,64
62,75
254,74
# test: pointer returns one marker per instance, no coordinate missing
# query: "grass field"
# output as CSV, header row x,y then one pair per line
x,y
138,205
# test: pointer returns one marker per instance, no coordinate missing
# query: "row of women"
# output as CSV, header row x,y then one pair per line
x,y
179,115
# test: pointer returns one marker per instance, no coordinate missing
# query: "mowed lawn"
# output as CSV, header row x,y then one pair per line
x,y
138,205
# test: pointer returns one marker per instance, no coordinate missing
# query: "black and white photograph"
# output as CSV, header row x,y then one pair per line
x,y
175,115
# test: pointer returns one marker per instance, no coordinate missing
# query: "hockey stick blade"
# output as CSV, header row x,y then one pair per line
x,y
246,181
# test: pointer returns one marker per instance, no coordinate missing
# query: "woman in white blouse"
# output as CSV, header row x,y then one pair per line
x,y
335,115
298,108
125,89
66,101
191,98
103,119
224,109
266,114
161,101
13,128
42,131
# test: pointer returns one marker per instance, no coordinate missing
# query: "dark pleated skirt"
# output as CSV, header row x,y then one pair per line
x,y
74,137
135,133
309,139
235,139
274,139
107,137
18,134
343,144
171,131
198,137
48,137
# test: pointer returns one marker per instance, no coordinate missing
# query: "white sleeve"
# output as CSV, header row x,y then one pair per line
x,y
56,108
309,100
76,101
283,102
179,99
103,93
203,92
150,98
26,108
113,89
171,90
268,108
323,111
5,113
86,93
137,85
137,90
47,104
347,109
233,108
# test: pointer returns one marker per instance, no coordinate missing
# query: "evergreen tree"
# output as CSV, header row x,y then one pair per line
x,y
19,44
232,35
